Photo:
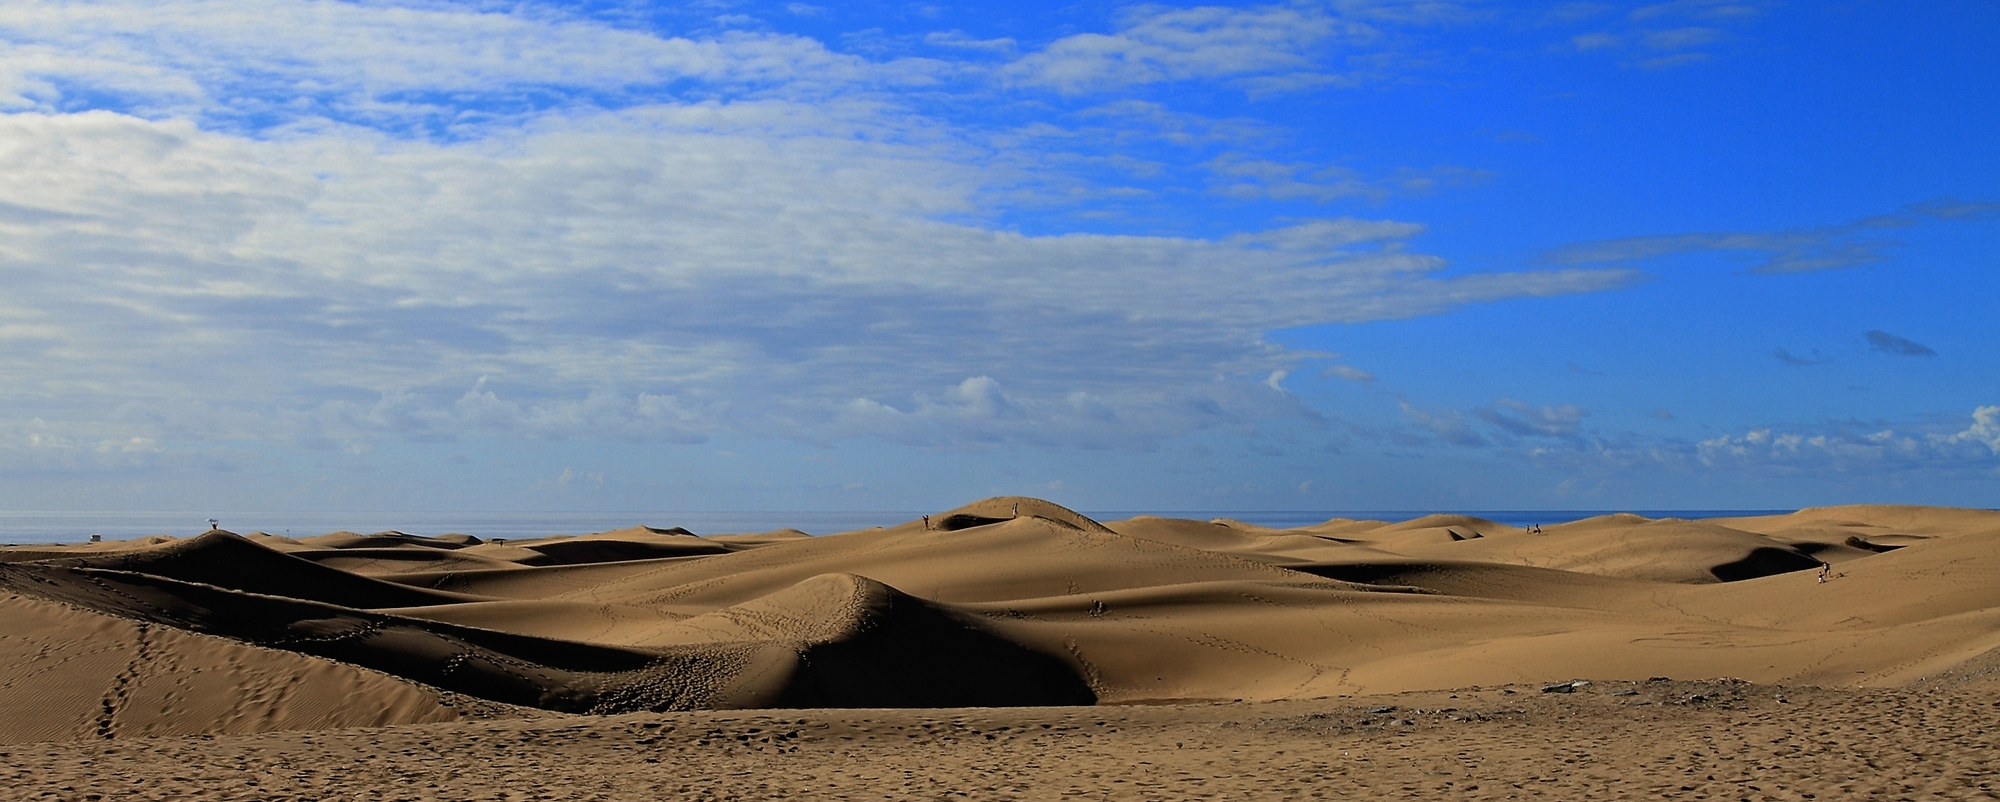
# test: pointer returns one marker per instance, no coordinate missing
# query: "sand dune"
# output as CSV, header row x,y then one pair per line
x,y
74,674
1004,602
225,560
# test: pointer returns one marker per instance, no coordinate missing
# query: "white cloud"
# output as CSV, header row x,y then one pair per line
x,y
1847,447
958,40
1682,38
261,250
1595,41
1664,28
1500,423
1555,437
1985,430
1238,176
1157,44
568,477
664,273
979,411
1576,12
1517,418
1706,9
251,59
1449,425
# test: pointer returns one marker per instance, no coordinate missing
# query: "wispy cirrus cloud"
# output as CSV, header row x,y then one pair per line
x,y
1698,9
1682,38
1503,423
1572,12
960,41
1657,36
1238,176
1159,45
1514,417
1262,48
1850,244
1449,426
261,62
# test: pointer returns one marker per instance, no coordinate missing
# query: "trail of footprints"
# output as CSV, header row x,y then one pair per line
x,y
121,685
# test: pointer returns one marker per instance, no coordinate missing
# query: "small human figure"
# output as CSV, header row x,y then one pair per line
x,y
1017,509
927,522
214,524
1825,572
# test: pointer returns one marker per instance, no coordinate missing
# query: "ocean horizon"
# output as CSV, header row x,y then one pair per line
x,y
60,526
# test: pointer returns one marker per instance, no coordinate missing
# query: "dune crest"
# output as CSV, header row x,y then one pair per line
x,y
855,642
1002,508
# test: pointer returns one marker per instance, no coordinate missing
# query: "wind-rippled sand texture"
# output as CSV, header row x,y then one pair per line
x,y
1663,740
225,637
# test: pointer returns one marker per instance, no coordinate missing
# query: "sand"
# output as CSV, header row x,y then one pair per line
x,y
1668,740
1030,656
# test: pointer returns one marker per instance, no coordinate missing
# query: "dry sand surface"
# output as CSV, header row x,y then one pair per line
x,y
1031,656
1718,740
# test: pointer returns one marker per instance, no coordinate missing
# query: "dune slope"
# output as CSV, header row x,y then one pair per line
x,y
74,674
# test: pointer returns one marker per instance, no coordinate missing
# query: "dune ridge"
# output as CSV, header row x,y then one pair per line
x,y
1003,602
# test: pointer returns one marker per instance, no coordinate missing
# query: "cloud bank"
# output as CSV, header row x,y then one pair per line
x,y
315,243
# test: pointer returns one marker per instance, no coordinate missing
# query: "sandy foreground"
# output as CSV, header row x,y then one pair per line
x,y
1013,649
1674,740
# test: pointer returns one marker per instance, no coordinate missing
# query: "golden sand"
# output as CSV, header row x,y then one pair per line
x,y
996,655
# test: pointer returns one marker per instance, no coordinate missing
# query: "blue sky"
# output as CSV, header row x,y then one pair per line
x,y
267,254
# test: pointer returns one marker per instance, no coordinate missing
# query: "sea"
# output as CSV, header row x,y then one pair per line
x,y
25,527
